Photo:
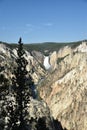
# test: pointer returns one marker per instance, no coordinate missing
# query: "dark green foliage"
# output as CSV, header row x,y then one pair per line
x,y
41,124
46,47
4,85
21,92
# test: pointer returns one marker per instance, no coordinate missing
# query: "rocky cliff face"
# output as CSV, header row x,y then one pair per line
x,y
65,88
38,111
34,67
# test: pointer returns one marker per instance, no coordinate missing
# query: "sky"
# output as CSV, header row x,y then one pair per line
x,y
43,20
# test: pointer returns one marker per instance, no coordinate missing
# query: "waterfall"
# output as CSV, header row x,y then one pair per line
x,y
46,62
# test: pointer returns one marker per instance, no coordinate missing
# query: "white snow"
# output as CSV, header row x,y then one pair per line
x,y
46,62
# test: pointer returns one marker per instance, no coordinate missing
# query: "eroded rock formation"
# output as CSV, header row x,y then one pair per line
x,y
63,87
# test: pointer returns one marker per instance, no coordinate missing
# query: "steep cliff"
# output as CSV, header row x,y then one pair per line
x,y
7,62
39,113
65,88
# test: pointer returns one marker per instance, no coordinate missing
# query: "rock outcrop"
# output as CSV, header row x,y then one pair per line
x,y
7,62
38,112
65,89
53,60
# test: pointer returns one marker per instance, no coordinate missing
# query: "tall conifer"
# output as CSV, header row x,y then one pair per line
x,y
23,90
22,85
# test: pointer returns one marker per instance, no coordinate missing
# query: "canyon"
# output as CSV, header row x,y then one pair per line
x,y
60,78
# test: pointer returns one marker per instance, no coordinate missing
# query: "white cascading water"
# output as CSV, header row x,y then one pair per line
x,y
46,62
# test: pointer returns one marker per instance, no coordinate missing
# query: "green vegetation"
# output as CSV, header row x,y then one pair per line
x,y
15,103
46,47
22,91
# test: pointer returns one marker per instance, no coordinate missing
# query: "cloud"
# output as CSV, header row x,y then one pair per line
x,y
28,28
29,25
40,26
33,27
27,31
48,24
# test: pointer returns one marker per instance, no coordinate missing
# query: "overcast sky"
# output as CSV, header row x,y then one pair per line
x,y
43,20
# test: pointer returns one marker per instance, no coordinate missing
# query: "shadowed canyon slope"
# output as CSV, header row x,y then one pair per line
x,y
62,85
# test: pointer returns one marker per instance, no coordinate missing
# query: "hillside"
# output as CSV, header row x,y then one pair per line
x,y
65,87
62,85
46,47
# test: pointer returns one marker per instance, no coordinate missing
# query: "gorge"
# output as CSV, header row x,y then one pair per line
x,y
61,80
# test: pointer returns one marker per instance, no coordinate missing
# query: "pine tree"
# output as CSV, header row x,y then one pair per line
x,y
41,124
22,85
4,84
23,91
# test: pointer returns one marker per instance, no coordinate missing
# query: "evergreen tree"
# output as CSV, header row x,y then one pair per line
x,y
22,85
4,85
41,124
23,91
